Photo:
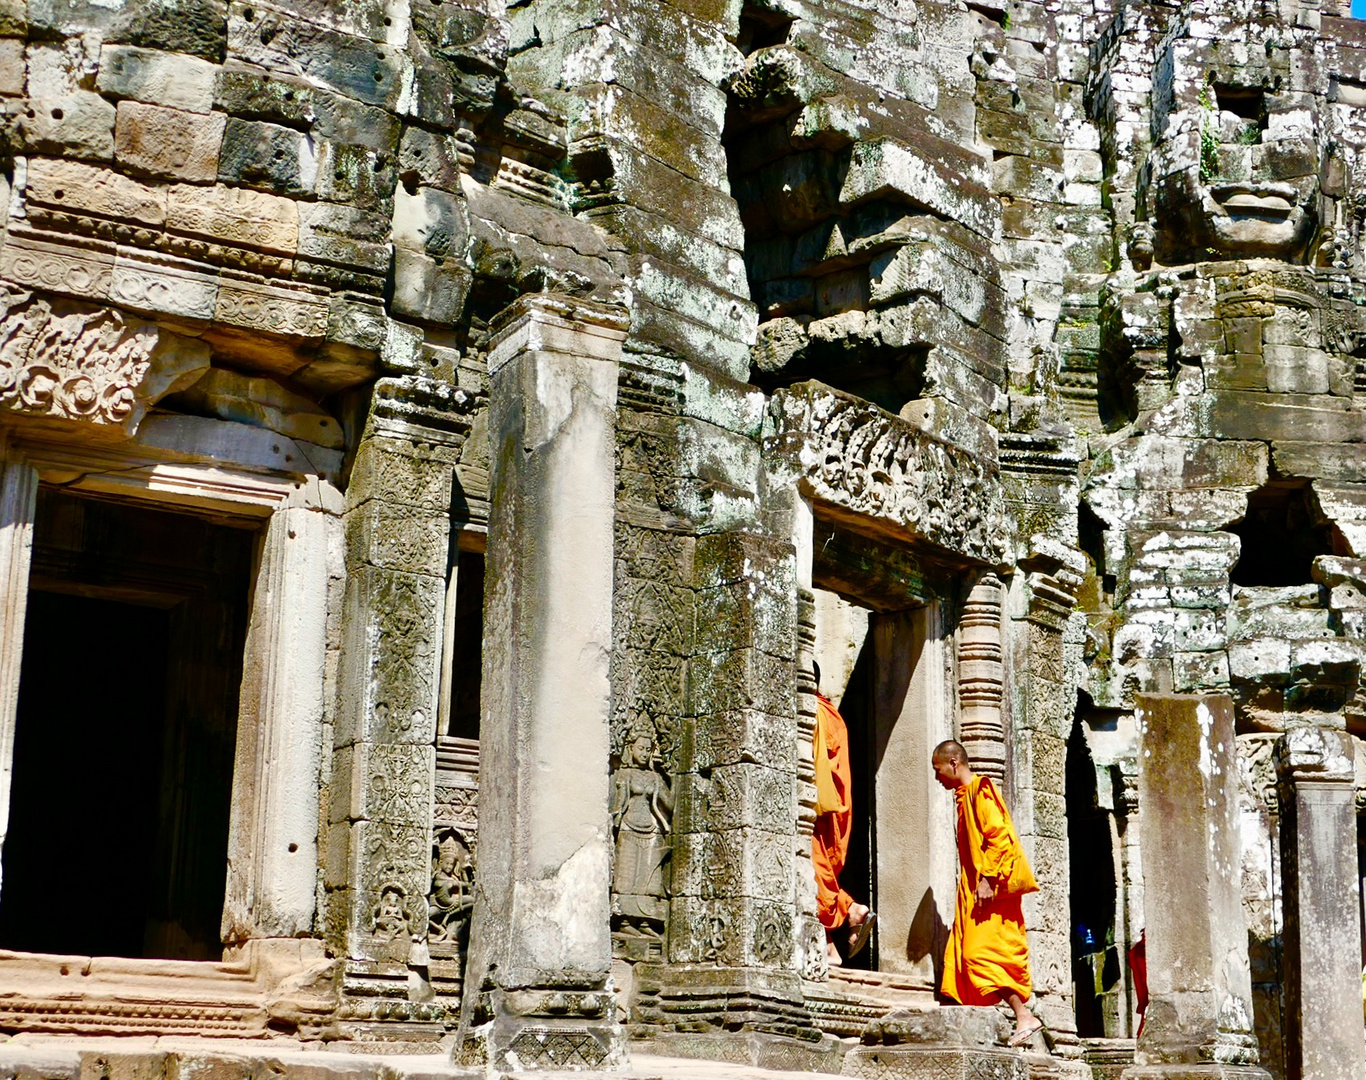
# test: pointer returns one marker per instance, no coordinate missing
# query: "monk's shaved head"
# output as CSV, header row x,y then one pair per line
x,y
950,749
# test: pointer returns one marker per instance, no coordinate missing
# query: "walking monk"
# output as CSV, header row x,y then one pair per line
x,y
987,959
830,841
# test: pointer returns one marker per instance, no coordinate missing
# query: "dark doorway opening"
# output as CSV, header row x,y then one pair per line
x,y
1091,852
126,732
1281,536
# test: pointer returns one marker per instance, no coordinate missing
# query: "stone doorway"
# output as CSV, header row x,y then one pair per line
x,y
889,668
126,731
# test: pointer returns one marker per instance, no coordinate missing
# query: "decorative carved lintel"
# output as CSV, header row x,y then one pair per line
x,y
861,461
89,364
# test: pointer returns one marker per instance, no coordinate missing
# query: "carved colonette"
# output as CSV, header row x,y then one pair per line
x,y
537,993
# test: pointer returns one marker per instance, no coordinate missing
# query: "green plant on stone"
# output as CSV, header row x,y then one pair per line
x,y
1209,138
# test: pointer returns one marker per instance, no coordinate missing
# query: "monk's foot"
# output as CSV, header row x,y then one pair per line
x,y
832,955
1025,1029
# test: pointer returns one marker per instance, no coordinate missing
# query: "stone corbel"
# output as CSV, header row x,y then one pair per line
x,y
1054,574
1317,755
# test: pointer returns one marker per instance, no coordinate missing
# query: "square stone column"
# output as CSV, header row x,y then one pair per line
x,y
1321,898
18,495
537,993
1199,1018
273,839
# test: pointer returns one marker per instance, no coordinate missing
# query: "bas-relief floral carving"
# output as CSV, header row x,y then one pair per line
x,y
860,459
91,364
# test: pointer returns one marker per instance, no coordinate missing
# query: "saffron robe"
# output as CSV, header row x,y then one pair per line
x,y
988,953
834,814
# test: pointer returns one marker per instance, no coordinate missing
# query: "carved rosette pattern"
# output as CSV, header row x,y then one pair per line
x,y
77,366
859,458
981,678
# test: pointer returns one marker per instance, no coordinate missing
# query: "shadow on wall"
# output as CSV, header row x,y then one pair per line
x,y
928,936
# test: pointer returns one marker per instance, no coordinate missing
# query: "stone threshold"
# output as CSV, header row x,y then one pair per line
x,y
94,996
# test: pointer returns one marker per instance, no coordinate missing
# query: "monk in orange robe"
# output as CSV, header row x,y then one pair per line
x,y
987,959
830,841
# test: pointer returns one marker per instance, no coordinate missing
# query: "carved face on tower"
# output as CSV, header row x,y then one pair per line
x,y
1238,157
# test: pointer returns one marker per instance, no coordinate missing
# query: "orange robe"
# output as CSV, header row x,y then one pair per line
x,y
830,841
987,952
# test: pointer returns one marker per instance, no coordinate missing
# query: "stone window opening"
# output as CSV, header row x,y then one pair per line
x,y
1281,535
462,637
128,694
1242,113
1091,541
761,27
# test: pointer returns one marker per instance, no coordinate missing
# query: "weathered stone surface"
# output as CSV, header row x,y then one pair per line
x,y
168,142
159,78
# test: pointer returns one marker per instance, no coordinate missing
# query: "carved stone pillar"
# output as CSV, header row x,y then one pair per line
x,y
379,845
735,919
536,991
1199,1018
18,495
1322,936
981,678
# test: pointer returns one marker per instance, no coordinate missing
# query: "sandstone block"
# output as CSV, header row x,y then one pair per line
x,y
430,221
161,78
428,159
168,142
288,311
355,67
884,166
429,289
262,402
1323,418
267,156
12,69
194,27
80,125
355,174
337,233
89,189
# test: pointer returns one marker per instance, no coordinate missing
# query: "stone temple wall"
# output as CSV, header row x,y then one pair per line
x,y
573,357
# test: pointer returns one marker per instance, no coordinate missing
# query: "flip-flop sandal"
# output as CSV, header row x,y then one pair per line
x,y
858,937
1025,1034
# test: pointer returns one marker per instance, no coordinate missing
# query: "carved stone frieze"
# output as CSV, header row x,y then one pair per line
x,y
92,364
861,460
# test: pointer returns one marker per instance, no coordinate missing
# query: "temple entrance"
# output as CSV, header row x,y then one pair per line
x,y
125,732
881,643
